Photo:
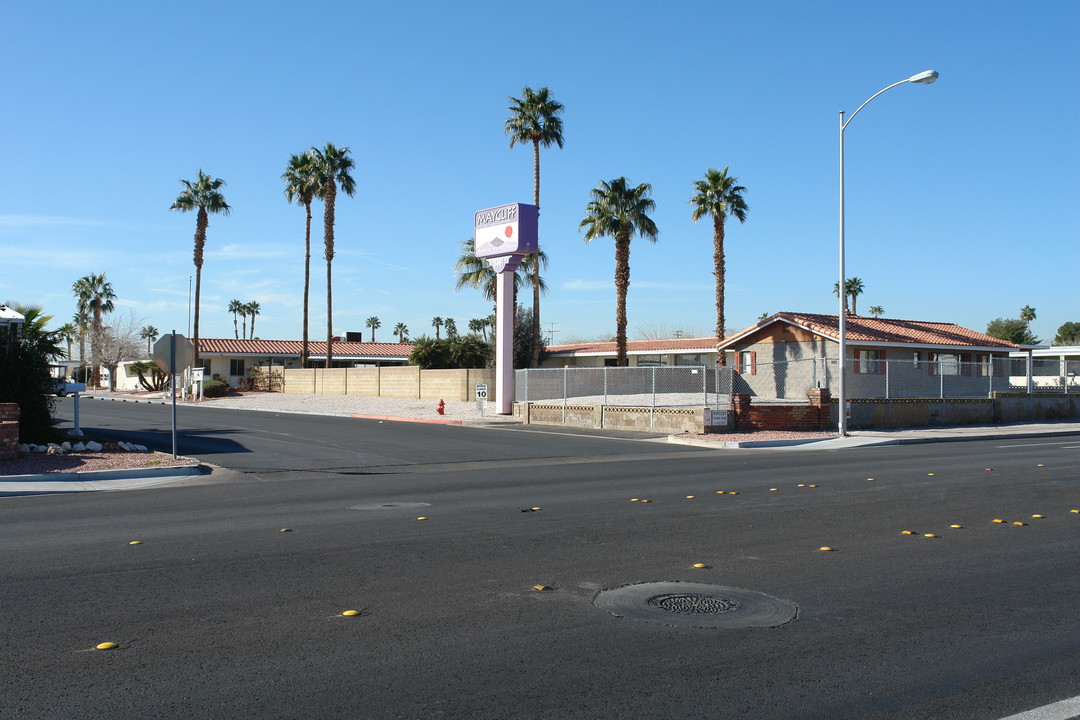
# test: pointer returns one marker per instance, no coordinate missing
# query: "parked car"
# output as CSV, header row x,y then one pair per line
x,y
61,387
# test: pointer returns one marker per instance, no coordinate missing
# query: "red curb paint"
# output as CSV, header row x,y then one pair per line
x,y
405,419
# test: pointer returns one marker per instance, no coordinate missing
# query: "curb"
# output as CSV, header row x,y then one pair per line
x,y
88,480
405,419
861,441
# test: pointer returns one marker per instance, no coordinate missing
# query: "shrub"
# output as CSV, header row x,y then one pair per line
x,y
214,388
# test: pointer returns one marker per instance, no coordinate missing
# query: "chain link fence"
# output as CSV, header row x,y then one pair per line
x,y
651,387
788,382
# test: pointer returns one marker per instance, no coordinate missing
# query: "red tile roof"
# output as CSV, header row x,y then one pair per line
x,y
635,346
225,346
881,330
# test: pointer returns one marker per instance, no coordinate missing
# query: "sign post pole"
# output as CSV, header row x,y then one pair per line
x,y
503,236
172,384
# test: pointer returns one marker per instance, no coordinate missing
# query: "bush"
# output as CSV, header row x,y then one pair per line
x,y
25,379
214,388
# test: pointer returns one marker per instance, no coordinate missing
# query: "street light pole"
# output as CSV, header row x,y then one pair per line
x,y
925,78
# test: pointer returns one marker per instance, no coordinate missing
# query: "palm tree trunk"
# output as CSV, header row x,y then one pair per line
x,y
307,281
622,284
718,271
252,335
201,224
535,360
235,329
95,348
245,326
328,234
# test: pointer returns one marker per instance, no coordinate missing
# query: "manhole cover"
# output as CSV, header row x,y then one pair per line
x,y
391,506
696,605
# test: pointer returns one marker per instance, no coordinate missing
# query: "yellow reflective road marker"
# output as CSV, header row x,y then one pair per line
x,y
106,646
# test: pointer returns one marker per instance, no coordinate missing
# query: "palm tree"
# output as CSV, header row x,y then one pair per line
x,y
535,118
451,329
302,185
876,311
476,273
1027,314
619,211
81,321
236,308
437,323
95,296
203,195
68,332
719,195
374,323
478,326
853,287
252,308
331,166
401,331
149,334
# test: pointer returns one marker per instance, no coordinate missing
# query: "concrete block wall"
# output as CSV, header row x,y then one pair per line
x,y
9,431
300,380
362,381
443,385
400,382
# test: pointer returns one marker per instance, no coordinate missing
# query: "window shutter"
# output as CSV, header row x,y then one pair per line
x,y
738,361
931,363
881,362
753,362
858,366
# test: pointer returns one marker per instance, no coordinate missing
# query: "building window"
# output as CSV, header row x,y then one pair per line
x,y
650,361
870,362
944,364
746,362
236,366
694,359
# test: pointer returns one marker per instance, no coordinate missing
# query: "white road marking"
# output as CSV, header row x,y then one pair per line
x,y
1063,442
1064,710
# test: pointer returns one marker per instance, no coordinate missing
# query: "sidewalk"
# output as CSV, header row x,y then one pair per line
x,y
904,436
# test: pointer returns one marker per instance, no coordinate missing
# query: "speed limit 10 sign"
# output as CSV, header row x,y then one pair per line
x,y
481,391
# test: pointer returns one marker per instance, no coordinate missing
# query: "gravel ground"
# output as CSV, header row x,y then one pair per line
x,y
79,462
466,412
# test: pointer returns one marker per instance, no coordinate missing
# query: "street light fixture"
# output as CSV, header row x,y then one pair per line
x,y
926,77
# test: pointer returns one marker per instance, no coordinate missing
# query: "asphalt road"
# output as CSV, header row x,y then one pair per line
x,y
219,613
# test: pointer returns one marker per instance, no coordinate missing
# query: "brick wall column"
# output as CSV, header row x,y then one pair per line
x,y
9,431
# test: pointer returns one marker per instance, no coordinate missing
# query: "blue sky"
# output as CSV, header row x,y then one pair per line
x,y
961,196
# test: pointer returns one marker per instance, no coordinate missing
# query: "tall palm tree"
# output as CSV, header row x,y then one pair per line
x,y
437,323
478,326
876,311
401,331
1027,314
95,295
68,332
331,166
719,195
252,309
203,195
451,328
81,321
374,323
149,334
535,118
302,185
853,287
619,211
236,308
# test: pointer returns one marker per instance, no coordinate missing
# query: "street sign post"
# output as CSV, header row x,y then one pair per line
x,y
503,236
170,352
163,354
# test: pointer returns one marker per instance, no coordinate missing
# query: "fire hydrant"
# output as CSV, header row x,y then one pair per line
x,y
441,409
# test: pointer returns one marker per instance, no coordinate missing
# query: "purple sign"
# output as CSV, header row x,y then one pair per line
x,y
505,230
